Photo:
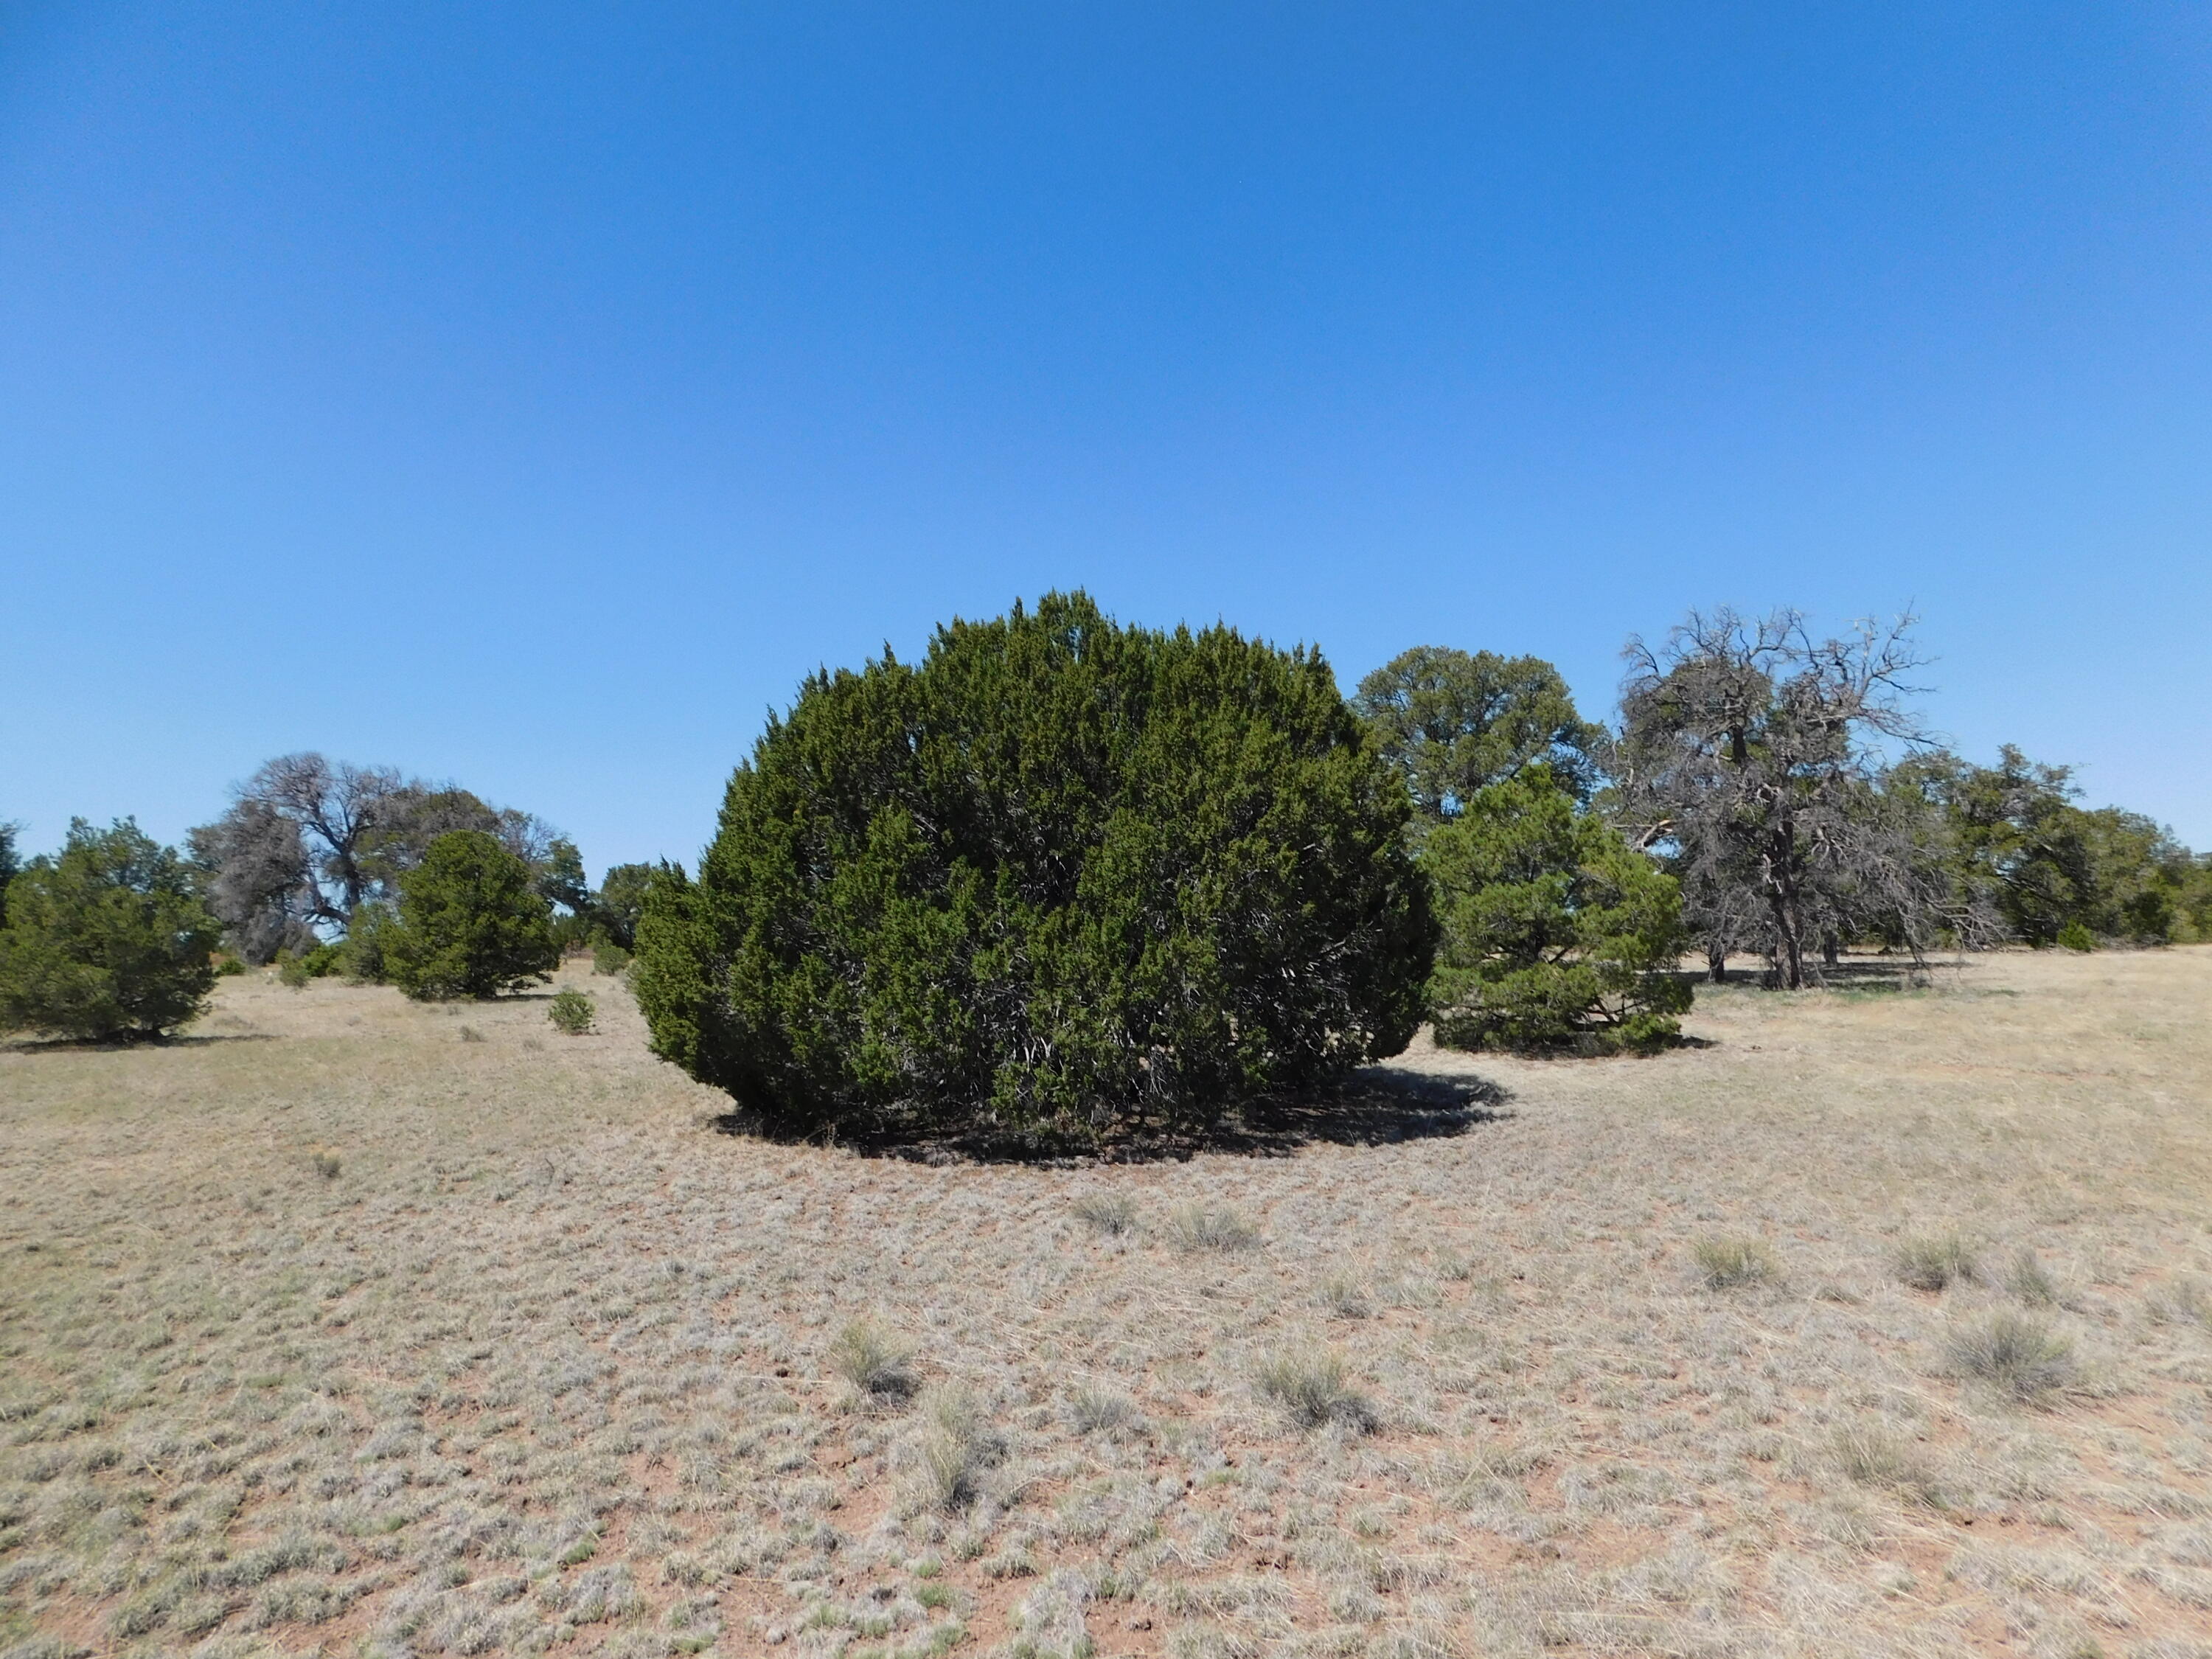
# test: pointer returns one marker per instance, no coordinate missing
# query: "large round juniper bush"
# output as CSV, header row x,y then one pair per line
x,y
1063,874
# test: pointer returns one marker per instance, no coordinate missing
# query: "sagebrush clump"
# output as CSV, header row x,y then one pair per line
x,y
1063,875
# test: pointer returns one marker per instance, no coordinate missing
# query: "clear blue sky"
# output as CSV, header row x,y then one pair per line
x,y
529,395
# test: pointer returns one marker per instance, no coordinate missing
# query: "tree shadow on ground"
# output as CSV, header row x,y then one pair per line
x,y
1376,1106
1872,973
119,1045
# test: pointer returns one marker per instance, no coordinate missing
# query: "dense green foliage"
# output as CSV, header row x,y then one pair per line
x,y
2020,845
571,1012
9,865
106,939
1063,873
1556,933
471,924
621,901
1453,723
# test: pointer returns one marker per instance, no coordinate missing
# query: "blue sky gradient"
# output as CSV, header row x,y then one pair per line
x,y
531,395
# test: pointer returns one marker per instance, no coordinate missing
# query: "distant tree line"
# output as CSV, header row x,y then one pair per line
x,y
1065,874
319,867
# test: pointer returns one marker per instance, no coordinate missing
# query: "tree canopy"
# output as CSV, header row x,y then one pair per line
x,y
1750,754
1454,723
308,842
105,939
1555,931
470,922
1063,873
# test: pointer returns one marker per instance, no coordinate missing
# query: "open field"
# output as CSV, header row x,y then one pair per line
x,y
356,1327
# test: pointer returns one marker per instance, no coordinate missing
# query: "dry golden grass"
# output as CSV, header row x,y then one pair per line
x,y
333,1331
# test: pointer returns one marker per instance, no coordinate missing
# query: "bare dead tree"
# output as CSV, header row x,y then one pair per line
x,y
307,841
337,806
256,877
1751,753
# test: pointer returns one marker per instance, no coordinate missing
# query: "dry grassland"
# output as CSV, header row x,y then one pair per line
x,y
1877,1326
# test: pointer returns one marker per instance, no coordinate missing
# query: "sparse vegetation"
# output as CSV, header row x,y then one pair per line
x,y
1936,1261
1727,1264
547,1366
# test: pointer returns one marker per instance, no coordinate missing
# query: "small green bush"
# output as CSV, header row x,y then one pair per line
x,y
609,958
571,1012
368,930
1557,934
470,923
227,966
318,963
2074,936
106,939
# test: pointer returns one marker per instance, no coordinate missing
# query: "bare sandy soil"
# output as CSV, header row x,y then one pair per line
x,y
354,1327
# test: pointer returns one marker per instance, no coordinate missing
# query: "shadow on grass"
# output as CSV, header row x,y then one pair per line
x,y
1874,975
1376,1106
123,1045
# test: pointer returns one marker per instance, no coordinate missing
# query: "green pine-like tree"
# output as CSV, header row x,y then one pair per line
x,y
470,923
1063,874
106,939
1556,933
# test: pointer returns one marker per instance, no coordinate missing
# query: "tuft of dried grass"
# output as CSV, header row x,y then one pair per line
x,y
1346,1297
1727,1264
2029,1280
1093,1410
1936,1262
954,1448
1211,1227
1872,1455
1313,1389
873,1360
2021,1355
1110,1214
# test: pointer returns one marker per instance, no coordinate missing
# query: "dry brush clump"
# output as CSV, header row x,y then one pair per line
x,y
1937,1261
2022,1356
1727,1264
